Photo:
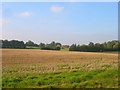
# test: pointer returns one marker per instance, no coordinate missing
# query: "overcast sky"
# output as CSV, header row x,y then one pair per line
x,y
66,23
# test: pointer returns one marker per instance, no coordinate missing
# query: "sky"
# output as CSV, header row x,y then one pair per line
x,y
64,22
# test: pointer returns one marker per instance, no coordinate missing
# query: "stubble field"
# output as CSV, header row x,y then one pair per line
x,y
24,68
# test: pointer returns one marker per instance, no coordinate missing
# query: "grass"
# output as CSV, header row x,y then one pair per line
x,y
67,79
64,50
107,66
23,68
116,62
62,65
31,47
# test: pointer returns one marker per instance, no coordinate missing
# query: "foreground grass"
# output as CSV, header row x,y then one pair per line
x,y
67,79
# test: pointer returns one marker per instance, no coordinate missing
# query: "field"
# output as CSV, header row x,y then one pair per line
x,y
28,68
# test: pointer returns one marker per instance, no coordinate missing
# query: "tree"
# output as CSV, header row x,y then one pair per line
x,y
91,47
31,43
42,45
1,43
116,46
57,47
91,44
105,45
58,44
13,44
72,47
84,48
65,46
109,45
53,45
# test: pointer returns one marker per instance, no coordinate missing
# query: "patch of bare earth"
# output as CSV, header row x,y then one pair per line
x,y
40,61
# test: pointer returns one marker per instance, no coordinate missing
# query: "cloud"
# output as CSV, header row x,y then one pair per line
x,y
25,14
56,9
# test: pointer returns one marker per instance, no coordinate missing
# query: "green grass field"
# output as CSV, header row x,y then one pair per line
x,y
66,79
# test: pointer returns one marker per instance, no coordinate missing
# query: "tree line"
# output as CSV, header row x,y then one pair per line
x,y
13,44
97,47
91,47
51,46
21,45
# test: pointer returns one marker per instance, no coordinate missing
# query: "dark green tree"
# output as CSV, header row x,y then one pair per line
x,y
73,47
31,43
42,45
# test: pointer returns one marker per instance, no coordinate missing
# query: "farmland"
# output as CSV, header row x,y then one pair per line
x,y
28,68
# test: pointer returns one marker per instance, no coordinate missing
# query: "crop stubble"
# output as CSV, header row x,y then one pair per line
x,y
40,61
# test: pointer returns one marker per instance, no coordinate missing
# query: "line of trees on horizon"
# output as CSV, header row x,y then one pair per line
x,y
12,44
97,47
91,47
51,46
